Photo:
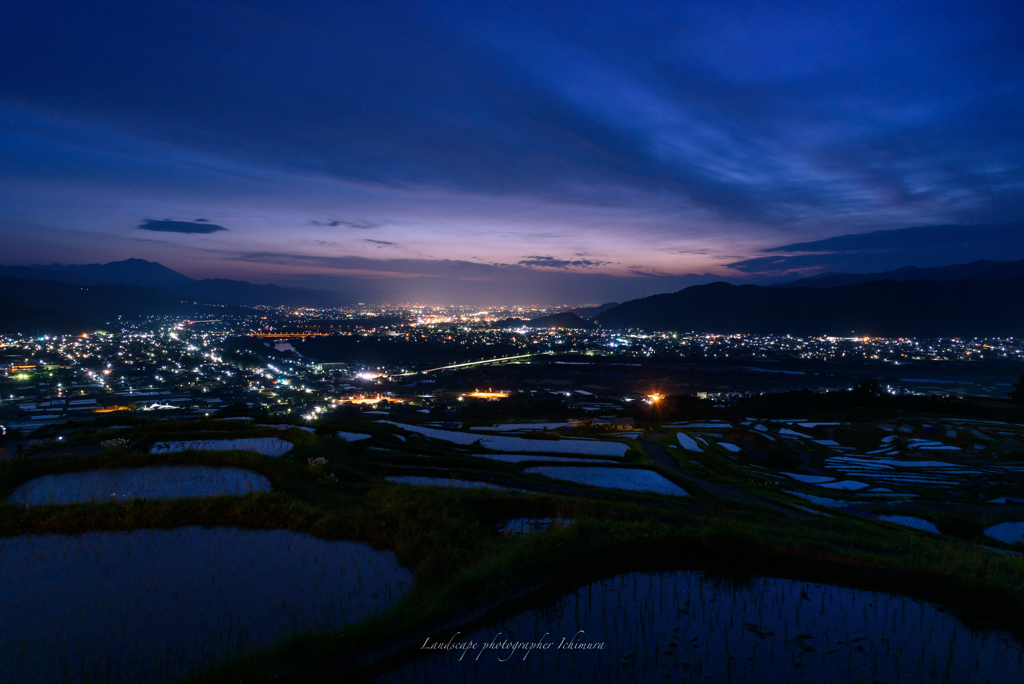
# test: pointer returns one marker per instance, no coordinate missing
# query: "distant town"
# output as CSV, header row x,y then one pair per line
x,y
371,360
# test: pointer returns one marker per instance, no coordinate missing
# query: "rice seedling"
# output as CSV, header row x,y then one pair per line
x,y
821,500
268,446
911,521
516,526
116,445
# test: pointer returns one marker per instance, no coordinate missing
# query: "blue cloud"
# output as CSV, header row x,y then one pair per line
x,y
552,262
199,226
882,250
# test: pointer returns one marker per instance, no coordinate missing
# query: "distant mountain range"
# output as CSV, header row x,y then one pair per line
x,y
68,299
983,298
591,311
884,308
976,270
149,274
50,307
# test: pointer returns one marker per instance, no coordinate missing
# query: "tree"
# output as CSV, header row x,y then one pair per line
x,y
347,412
1017,393
869,388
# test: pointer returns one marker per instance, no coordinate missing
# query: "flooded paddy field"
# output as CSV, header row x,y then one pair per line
x,y
351,436
1007,532
520,444
424,481
685,626
628,479
522,458
153,605
949,476
121,484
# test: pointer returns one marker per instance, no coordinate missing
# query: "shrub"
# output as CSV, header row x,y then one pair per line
x,y
962,526
118,445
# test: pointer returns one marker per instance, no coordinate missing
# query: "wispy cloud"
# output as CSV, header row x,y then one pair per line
x,y
357,225
199,226
443,280
883,250
552,262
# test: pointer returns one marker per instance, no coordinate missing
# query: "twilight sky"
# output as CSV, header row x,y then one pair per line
x,y
511,152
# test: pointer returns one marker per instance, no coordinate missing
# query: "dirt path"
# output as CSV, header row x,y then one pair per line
x,y
661,456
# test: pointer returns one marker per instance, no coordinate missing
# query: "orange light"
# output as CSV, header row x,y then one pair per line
x,y
361,399
655,398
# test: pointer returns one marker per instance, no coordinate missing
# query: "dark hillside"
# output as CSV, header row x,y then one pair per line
x,y
886,308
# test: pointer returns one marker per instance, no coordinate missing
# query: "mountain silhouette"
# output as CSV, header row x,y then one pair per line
x,y
46,306
150,274
978,270
883,308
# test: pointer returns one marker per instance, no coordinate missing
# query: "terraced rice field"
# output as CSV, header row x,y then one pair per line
x,y
421,481
628,479
851,485
121,484
688,443
520,458
910,474
1007,532
808,479
911,521
352,436
518,444
824,500
521,426
715,425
